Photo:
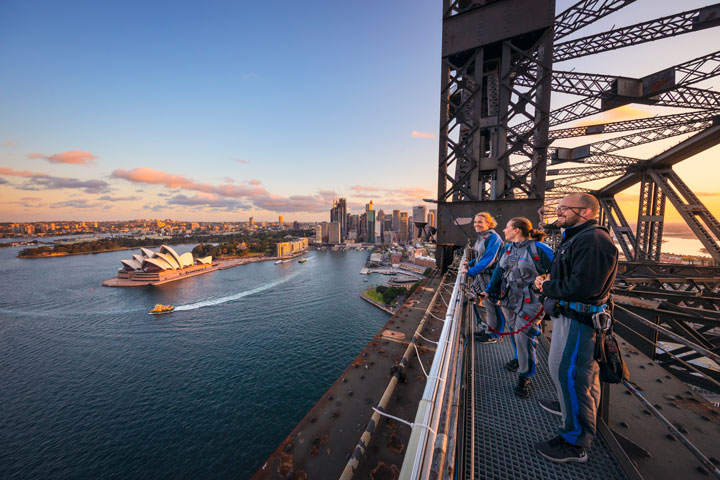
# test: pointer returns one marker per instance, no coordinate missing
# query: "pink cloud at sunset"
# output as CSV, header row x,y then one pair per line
x,y
416,134
73,157
254,181
23,173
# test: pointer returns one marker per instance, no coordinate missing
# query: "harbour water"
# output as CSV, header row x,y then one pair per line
x,y
94,387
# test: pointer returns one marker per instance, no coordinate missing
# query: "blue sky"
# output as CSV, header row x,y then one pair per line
x,y
225,110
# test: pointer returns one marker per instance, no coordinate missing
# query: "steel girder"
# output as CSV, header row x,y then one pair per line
x,y
627,125
584,13
670,26
612,217
492,80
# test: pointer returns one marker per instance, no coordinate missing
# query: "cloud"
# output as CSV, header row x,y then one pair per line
x,y
157,177
625,112
241,160
58,183
74,157
23,173
228,180
201,199
9,143
3,181
78,203
416,134
294,203
31,199
410,193
108,198
254,181
707,194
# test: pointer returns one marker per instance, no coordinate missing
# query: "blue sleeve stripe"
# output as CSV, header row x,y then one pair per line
x,y
492,245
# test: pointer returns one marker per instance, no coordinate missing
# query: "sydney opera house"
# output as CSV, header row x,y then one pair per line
x,y
162,266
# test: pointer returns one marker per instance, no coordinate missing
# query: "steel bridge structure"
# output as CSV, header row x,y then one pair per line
x,y
422,400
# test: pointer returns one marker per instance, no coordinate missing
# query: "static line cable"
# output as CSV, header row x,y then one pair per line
x,y
411,424
668,333
419,360
688,365
426,339
676,433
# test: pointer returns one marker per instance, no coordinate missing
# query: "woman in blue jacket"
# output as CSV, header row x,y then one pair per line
x,y
487,248
523,259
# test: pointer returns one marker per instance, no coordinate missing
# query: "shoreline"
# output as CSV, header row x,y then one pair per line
x,y
220,265
381,307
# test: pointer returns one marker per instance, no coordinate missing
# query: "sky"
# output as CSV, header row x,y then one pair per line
x,y
225,110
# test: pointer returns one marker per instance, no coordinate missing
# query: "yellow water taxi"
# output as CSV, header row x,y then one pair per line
x,y
160,308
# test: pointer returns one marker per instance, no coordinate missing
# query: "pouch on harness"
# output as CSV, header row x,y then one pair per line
x,y
607,351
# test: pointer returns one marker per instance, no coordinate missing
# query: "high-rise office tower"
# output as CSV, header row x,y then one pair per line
x,y
339,214
403,227
370,219
396,221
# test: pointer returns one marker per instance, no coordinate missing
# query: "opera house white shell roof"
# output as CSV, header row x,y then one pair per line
x,y
164,259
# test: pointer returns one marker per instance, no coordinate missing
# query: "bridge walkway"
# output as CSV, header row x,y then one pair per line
x,y
502,428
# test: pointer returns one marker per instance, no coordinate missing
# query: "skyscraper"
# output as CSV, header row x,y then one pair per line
x,y
370,219
419,213
339,214
403,227
396,221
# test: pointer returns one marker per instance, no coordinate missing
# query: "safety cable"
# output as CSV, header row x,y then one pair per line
x,y
411,424
419,360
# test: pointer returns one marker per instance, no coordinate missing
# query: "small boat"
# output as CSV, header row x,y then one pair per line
x,y
160,308
302,260
278,262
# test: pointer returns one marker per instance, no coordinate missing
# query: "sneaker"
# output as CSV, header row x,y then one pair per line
x,y
513,365
560,451
483,337
549,405
523,387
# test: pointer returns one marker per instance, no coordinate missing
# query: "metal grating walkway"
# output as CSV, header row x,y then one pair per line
x,y
507,427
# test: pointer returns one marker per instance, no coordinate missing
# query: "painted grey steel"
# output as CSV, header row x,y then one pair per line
x,y
506,426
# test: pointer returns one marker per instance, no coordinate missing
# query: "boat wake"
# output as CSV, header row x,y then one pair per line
x,y
236,296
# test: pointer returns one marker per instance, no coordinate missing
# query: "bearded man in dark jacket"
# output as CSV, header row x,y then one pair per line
x,y
577,288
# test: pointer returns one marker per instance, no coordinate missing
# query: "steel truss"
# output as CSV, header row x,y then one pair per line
x,y
495,142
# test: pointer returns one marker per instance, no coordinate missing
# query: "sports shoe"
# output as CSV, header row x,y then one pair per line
x,y
549,405
513,365
483,337
523,387
560,451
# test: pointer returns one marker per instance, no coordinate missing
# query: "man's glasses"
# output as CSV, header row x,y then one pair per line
x,y
562,208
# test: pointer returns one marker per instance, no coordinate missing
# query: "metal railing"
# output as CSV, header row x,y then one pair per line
x,y
433,431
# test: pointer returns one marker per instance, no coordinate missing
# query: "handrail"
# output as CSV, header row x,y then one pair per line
x,y
418,459
704,351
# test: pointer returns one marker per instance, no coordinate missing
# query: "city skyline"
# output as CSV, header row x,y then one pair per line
x,y
223,112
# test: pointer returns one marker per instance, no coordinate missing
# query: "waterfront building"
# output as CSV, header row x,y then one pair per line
x,y
325,229
334,232
165,264
288,248
318,233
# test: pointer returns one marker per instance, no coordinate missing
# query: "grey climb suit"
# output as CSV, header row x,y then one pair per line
x,y
511,285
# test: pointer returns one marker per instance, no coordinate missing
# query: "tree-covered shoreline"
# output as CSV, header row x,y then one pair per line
x,y
240,244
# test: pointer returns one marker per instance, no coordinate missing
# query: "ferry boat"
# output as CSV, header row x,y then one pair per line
x,y
302,260
160,308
